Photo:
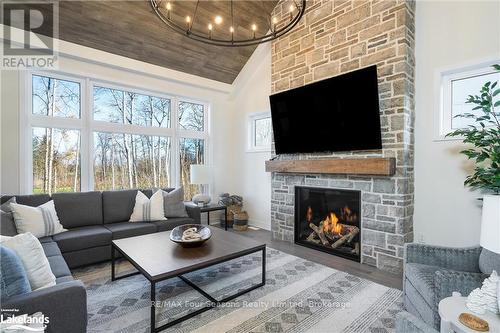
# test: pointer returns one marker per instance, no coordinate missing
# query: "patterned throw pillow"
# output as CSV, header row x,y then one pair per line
x,y
41,221
13,278
146,209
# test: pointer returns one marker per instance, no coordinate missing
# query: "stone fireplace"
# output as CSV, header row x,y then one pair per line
x,y
335,37
328,220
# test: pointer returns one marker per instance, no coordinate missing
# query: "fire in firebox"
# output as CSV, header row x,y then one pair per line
x,y
332,233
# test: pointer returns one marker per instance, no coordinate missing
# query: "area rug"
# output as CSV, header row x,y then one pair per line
x,y
299,296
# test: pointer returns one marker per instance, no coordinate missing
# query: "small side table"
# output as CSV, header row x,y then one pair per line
x,y
213,207
451,307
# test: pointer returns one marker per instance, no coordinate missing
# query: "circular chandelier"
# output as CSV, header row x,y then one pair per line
x,y
217,30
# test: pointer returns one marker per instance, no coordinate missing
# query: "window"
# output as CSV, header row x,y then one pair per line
x,y
109,138
456,86
259,132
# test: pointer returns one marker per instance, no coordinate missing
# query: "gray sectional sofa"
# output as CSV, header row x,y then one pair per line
x,y
93,220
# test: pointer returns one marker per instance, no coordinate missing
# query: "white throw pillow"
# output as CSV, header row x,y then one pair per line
x,y
41,221
148,209
35,263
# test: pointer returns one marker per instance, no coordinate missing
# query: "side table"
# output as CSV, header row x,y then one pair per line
x,y
451,307
213,207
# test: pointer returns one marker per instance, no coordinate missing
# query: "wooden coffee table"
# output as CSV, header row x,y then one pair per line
x,y
158,258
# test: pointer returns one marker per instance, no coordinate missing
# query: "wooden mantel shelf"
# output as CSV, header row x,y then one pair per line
x,y
376,166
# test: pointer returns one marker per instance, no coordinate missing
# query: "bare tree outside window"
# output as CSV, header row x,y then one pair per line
x,y
56,152
263,132
132,137
191,116
56,160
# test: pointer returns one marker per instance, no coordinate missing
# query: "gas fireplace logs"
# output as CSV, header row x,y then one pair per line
x,y
330,239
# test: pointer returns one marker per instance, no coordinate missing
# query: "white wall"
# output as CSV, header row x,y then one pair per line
x,y
79,60
251,93
448,34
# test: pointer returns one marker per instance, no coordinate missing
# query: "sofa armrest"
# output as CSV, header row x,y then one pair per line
x,y
446,282
408,323
458,259
65,305
193,212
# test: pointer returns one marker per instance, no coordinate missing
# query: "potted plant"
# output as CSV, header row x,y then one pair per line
x,y
484,136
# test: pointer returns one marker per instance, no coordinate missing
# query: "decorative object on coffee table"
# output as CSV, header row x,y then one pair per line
x,y
190,235
473,322
240,222
201,175
450,309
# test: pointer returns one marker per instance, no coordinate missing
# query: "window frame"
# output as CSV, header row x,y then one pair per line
x,y
251,119
88,126
443,82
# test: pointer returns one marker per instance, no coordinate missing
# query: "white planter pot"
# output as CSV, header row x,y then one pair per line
x,y
490,223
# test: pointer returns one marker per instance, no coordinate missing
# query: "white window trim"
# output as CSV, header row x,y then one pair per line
x,y
252,117
442,83
87,126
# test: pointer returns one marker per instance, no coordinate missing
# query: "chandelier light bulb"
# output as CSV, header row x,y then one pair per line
x,y
188,19
231,29
292,8
210,26
218,19
275,20
168,6
254,27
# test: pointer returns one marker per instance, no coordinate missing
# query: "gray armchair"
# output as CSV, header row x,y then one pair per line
x,y
432,273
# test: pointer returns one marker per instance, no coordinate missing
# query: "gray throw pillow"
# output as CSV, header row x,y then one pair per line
x,y
173,203
7,224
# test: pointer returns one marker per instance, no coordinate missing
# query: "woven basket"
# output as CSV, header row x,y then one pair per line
x,y
240,221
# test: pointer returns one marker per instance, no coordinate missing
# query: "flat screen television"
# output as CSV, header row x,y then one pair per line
x,y
336,114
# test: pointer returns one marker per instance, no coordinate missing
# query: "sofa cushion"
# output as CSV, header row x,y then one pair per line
x,y
64,279
422,279
130,229
82,238
51,249
117,206
78,209
13,278
172,222
58,266
33,200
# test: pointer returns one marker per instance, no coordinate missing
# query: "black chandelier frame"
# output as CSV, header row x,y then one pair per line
x,y
208,39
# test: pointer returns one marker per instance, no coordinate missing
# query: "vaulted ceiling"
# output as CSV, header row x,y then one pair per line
x,y
131,29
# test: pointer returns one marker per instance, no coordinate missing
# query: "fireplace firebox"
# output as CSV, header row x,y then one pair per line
x,y
329,220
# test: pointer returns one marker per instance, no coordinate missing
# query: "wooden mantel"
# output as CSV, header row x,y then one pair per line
x,y
376,166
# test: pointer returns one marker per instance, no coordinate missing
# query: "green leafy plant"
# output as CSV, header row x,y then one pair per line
x,y
484,136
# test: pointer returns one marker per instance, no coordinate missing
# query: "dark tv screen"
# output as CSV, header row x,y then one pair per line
x,y
336,114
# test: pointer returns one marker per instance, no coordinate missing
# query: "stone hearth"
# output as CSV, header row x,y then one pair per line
x,y
332,38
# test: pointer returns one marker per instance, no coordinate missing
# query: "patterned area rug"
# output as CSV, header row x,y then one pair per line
x,y
299,296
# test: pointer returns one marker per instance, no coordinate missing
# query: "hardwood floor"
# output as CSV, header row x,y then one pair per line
x,y
341,264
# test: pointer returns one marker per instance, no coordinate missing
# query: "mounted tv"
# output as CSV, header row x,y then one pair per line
x,y
336,114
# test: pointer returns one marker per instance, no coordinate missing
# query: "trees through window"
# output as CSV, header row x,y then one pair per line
x,y
113,139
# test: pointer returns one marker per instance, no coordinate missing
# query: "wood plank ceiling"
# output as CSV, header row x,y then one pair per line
x,y
131,29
